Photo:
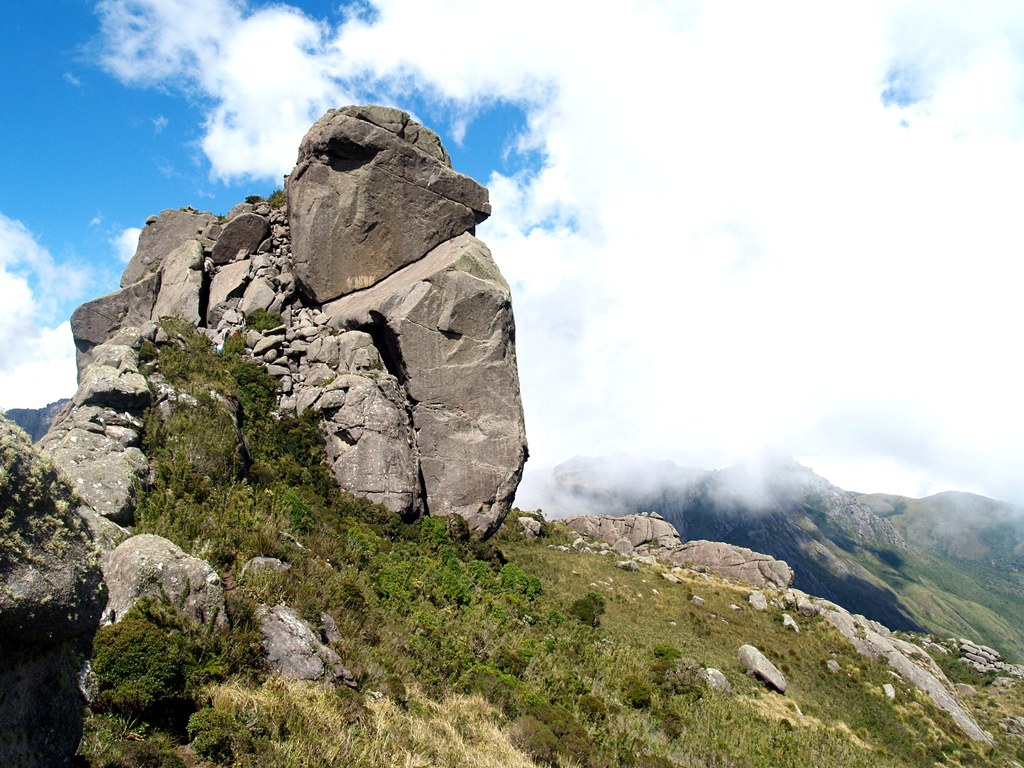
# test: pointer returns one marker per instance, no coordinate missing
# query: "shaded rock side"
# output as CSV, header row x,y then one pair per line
x,y
163,234
151,566
758,665
372,191
295,652
36,421
51,594
444,328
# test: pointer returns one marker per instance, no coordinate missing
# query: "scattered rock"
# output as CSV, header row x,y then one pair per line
x,y
715,680
833,665
758,601
670,578
965,690
530,527
295,652
889,691
788,622
758,666
151,566
258,564
697,600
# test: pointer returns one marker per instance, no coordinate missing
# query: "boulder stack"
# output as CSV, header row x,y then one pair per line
x,y
396,324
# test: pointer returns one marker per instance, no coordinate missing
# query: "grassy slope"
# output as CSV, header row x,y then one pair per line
x,y
963,575
462,658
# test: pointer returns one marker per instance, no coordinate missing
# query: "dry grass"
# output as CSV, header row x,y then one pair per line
x,y
307,727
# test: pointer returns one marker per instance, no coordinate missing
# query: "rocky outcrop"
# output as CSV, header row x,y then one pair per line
x,y
910,662
96,439
651,536
294,651
733,562
51,594
151,566
396,324
757,665
373,191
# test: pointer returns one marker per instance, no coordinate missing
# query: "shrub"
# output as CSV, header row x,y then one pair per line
x,y
682,677
277,199
253,199
637,692
218,736
588,609
234,344
592,707
139,668
262,320
536,739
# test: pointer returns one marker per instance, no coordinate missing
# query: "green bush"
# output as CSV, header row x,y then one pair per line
x,y
253,199
536,739
262,320
218,736
139,669
234,344
682,677
588,609
637,692
592,707
277,199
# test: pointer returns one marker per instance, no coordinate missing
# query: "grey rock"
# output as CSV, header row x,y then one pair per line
x,y
259,294
447,336
733,562
295,652
530,527
788,622
161,235
258,564
636,530
229,282
757,665
697,600
242,233
715,680
627,565
758,601
366,199
181,281
911,662
889,691
99,320
833,665
623,546
670,578
965,690
151,566
36,421
51,595
113,382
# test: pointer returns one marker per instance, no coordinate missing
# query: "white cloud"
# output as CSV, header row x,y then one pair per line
x,y
37,362
126,243
786,226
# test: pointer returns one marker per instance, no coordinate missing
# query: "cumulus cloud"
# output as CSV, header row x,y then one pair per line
x,y
37,361
751,225
126,243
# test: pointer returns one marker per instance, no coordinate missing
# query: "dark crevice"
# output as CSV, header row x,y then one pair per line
x,y
386,342
344,155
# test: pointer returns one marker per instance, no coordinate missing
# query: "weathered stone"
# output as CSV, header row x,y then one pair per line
x,y
295,652
258,564
788,622
734,562
51,595
637,530
242,233
181,281
229,282
119,386
161,235
833,665
365,200
758,601
670,578
259,294
530,527
889,691
715,680
446,331
151,566
99,320
757,665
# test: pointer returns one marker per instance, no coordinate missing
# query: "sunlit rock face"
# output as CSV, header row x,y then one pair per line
x,y
396,324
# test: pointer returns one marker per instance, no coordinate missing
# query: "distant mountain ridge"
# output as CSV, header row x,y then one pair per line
x,y
36,421
950,564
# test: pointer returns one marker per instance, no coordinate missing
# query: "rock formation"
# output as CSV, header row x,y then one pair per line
x,y
51,595
651,536
396,325
36,421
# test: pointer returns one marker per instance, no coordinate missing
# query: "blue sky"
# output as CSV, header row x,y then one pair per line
x,y
730,227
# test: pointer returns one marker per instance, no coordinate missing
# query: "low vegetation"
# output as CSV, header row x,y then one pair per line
x,y
468,653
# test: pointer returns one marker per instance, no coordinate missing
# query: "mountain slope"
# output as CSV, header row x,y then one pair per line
x,y
860,551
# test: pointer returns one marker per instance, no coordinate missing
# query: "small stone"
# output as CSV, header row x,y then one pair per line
x,y
697,600
890,692
788,622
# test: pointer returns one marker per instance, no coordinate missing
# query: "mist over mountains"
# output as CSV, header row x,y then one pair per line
x,y
949,563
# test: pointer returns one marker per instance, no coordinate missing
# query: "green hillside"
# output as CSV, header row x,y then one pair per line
x,y
464,653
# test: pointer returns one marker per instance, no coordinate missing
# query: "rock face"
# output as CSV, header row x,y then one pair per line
x,y
151,566
649,535
36,421
396,326
51,594
372,192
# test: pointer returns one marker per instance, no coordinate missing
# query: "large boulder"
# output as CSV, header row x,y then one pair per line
x,y
372,192
51,595
181,282
162,235
242,234
295,652
99,320
734,562
637,530
444,329
757,665
151,566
